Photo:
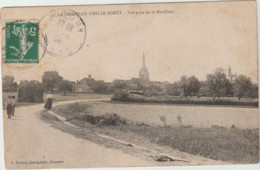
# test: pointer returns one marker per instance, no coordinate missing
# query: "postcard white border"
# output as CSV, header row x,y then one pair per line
x,y
9,3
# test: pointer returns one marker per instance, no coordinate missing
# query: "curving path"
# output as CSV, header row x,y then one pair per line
x,y
31,143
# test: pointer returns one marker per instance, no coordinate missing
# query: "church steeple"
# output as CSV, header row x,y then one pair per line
x,y
143,73
230,75
143,61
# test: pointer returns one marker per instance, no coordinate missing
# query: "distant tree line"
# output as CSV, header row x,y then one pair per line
x,y
51,80
216,85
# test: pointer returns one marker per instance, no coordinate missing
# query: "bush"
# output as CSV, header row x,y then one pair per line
x,y
141,124
30,92
217,127
78,108
109,119
121,95
83,112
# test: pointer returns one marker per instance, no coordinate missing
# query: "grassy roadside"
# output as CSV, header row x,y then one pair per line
x,y
218,143
58,97
232,145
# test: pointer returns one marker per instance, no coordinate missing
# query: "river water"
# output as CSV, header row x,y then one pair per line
x,y
197,116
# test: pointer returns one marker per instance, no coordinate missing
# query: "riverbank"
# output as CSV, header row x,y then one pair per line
x,y
130,98
218,143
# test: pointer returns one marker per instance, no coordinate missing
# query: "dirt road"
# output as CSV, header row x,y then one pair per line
x,y
31,143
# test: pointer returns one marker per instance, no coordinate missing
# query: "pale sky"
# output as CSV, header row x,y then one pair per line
x,y
194,40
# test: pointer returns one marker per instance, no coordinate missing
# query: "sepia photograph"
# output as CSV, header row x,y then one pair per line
x,y
130,85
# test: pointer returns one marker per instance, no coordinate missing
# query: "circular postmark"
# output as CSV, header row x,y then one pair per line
x,y
65,32
22,41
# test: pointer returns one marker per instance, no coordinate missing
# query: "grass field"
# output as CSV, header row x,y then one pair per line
x,y
218,143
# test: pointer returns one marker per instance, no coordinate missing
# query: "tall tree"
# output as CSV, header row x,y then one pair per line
x,y
152,90
253,92
194,86
229,89
9,84
50,80
100,87
174,89
119,84
64,86
204,89
184,85
243,85
217,83
189,86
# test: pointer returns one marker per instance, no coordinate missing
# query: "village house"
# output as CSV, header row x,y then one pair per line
x,y
85,85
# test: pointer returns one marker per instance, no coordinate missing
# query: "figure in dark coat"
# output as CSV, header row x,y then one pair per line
x,y
9,106
13,105
49,99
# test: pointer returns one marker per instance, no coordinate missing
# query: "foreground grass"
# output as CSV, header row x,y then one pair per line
x,y
218,143
232,145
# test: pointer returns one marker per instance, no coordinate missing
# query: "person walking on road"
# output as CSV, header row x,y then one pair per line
x,y
9,106
48,101
13,105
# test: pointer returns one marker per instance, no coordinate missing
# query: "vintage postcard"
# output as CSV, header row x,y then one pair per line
x,y
130,85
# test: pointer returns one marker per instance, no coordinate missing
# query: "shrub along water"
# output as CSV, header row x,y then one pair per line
x,y
84,112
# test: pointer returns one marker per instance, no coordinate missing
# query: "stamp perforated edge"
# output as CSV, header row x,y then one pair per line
x,y
3,41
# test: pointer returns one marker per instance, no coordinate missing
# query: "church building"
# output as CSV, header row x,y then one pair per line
x,y
143,73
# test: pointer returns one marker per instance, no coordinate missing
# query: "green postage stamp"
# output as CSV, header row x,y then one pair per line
x,y
21,42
